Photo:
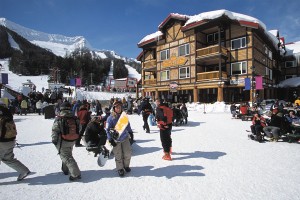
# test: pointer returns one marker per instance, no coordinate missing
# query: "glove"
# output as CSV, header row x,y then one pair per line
x,y
54,142
112,142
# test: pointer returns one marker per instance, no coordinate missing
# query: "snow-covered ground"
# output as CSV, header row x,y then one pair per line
x,y
213,159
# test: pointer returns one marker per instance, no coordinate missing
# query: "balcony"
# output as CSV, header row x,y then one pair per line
x,y
211,53
149,64
213,75
150,82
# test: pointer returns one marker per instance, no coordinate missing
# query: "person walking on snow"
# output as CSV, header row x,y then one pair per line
x,y
65,146
164,116
8,142
146,110
121,145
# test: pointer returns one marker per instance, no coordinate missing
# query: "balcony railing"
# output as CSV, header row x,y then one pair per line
x,y
210,75
149,64
211,51
150,82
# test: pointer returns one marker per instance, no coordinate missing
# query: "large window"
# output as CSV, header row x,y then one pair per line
x,y
289,64
290,76
184,50
214,37
238,43
165,75
184,72
269,73
165,54
239,68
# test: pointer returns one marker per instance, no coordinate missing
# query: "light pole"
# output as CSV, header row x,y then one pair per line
x,y
252,85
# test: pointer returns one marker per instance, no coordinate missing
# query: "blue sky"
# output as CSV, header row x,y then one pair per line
x,y
120,24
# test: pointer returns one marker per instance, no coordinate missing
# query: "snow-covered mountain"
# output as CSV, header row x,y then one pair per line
x,y
60,45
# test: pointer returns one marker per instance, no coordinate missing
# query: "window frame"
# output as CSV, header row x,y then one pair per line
x,y
187,72
186,49
293,65
167,75
240,41
289,76
167,54
241,67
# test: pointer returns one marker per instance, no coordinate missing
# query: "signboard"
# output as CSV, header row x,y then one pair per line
x,y
173,86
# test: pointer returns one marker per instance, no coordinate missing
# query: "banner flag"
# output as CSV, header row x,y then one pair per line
x,y
78,82
247,84
259,83
72,82
4,78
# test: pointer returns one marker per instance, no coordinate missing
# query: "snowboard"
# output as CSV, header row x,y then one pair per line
x,y
103,156
151,120
121,124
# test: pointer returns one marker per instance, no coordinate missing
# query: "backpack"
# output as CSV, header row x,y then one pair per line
x,y
69,128
8,129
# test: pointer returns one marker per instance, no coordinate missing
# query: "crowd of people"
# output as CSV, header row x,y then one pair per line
x,y
86,121
280,122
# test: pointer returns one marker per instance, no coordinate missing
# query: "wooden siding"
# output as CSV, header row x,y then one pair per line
x,y
210,75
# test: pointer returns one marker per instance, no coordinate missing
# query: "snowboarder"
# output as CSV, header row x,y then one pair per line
x,y
119,141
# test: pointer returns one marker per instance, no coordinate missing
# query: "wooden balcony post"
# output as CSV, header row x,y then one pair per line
x,y
195,91
220,94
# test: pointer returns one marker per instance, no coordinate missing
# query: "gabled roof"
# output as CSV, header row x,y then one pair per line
x,y
150,38
205,17
173,16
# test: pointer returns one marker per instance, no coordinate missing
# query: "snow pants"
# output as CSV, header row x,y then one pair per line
x,y
122,154
272,131
165,137
65,149
145,119
7,156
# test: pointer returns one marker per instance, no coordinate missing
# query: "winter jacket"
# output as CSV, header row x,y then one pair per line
x,y
56,127
95,134
111,123
83,115
164,116
6,117
145,107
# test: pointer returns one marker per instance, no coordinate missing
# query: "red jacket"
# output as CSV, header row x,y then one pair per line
x,y
83,115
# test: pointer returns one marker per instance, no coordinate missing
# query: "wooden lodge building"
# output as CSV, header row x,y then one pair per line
x,y
206,58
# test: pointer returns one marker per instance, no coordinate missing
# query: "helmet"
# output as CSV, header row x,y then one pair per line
x,y
65,106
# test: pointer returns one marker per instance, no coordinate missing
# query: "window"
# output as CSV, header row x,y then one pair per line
x,y
238,43
165,54
269,73
165,75
239,68
184,50
214,37
184,72
289,64
290,76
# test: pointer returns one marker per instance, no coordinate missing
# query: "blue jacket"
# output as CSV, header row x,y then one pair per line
x,y
110,124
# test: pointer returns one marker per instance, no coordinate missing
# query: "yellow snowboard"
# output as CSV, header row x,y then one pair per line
x,y
122,123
